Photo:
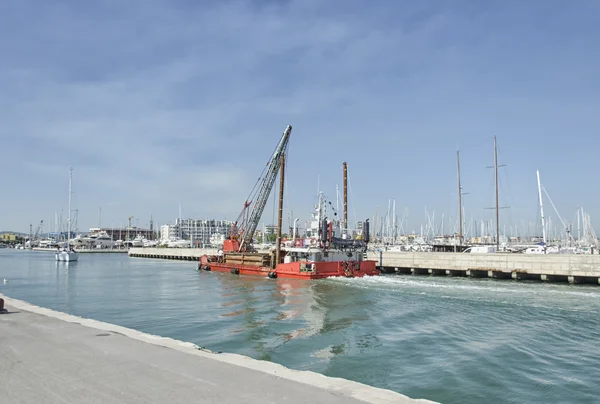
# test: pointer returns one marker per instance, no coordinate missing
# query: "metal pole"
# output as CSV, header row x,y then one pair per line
x,y
460,213
345,196
69,225
541,210
497,199
280,213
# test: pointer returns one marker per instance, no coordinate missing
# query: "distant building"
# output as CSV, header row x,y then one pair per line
x,y
124,234
201,232
270,229
169,231
8,237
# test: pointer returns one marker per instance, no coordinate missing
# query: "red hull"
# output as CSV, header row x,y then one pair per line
x,y
296,270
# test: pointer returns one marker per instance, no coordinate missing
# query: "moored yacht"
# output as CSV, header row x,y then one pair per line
x,y
138,241
67,253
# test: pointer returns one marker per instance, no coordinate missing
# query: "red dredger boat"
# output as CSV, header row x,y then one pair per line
x,y
329,248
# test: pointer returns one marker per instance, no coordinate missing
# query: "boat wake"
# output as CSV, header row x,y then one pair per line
x,y
563,297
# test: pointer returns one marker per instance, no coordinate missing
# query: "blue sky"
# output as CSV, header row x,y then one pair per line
x,y
156,103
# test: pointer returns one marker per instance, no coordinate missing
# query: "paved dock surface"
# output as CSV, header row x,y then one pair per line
x,y
50,357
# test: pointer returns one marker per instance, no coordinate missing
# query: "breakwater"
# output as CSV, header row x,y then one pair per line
x,y
185,254
549,267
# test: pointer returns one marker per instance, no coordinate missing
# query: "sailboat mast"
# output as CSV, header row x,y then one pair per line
x,y
460,212
345,182
69,219
578,227
497,199
541,210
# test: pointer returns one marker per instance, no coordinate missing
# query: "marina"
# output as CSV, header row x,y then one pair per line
x,y
426,233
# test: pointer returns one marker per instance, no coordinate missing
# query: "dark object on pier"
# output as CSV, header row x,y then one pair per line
x,y
449,248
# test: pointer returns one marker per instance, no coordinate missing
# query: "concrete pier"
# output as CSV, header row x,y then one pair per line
x,y
186,254
572,268
51,357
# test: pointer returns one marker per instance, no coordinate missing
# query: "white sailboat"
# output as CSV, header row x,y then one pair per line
x,y
67,253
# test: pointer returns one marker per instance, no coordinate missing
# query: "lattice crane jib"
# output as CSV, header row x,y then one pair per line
x,y
242,232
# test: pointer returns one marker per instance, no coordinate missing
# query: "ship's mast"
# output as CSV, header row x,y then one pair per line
x,y
578,227
497,198
69,219
460,212
541,210
497,207
345,197
280,213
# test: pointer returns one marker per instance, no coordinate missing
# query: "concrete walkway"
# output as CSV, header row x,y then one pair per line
x,y
50,357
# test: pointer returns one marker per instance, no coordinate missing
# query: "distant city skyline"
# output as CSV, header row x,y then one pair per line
x,y
159,103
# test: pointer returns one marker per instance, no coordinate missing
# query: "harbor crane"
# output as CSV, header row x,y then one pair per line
x,y
243,229
33,237
37,230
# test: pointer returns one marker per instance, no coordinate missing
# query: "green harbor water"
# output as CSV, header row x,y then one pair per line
x,y
452,340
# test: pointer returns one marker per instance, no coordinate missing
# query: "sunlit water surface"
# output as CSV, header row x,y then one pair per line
x,y
452,340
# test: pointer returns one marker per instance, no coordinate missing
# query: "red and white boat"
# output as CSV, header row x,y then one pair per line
x,y
327,250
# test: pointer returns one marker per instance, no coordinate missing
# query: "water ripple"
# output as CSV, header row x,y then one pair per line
x,y
454,340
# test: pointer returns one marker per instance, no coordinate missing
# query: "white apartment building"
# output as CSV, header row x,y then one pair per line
x,y
168,232
199,231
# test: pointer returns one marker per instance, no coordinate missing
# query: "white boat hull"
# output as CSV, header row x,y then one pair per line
x,y
67,256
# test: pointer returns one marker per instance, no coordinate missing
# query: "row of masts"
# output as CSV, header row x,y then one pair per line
x,y
447,227
497,195
389,230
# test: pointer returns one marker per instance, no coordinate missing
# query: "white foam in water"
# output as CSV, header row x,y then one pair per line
x,y
504,286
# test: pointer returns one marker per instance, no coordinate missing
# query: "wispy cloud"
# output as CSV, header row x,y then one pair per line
x,y
156,103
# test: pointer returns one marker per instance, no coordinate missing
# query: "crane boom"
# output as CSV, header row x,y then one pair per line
x,y
37,230
244,231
